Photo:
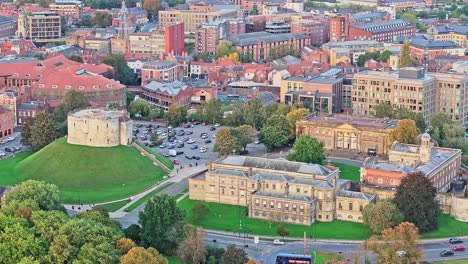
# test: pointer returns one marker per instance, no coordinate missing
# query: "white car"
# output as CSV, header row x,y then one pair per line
x,y
2,154
10,139
203,150
190,141
278,242
401,253
257,141
3,141
216,125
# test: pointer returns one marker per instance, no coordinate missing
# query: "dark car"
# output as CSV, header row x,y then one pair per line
x,y
196,157
188,157
208,141
196,123
180,145
212,128
7,149
148,126
179,152
171,139
156,126
186,125
455,240
447,253
165,154
181,133
17,148
139,125
171,147
189,132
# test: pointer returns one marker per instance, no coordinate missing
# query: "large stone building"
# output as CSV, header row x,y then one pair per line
x,y
280,190
440,165
412,88
192,19
457,34
99,128
353,133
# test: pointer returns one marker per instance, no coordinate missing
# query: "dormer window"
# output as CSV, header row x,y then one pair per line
x,y
109,86
39,76
41,85
81,87
96,86
54,86
27,75
68,87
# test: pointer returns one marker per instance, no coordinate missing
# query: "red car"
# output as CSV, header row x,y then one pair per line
x,y
458,248
176,162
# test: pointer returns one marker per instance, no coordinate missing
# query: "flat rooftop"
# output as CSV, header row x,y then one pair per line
x,y
353,120
99,114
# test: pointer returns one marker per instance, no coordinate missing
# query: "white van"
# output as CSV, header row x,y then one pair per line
x,y
172,152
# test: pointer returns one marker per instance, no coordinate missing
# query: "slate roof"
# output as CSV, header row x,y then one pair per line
x,y
229,173
374,15
384,26
253,38
433,44
267,98
356,195
172,88
284,196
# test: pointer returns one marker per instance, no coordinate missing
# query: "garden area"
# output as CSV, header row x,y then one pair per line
x,y
84,174
226,218
348,172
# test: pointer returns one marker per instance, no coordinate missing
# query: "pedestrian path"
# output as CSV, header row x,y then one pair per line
x,y
176,175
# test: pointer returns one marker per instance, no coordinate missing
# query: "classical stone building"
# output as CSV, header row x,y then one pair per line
x,y
99,128
440,165
355,133
280,190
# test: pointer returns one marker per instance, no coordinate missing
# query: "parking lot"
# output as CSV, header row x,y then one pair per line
x,y
193,143
7,147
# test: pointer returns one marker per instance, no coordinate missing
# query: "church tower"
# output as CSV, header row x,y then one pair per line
x,y
123,30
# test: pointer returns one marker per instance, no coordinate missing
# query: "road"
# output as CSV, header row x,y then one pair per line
x,y
16,142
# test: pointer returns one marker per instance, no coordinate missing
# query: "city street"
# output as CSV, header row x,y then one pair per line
x,y
15,143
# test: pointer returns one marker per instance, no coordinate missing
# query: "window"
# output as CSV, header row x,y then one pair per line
x,y
320,195
301,208
195,186
264,204
257,203
350,206
212,180
212,189
232,192
242,193
222,190
274,186
232,181
340,206
253,185
380,180
272,205
298,190
242,183
320,206
54,86
286,206
68,87
361,207
278,205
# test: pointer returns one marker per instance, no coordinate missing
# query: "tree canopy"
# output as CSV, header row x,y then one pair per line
x,y
226,142
224,48
39,131
234,255
121,71
152,6
406,132
176,115
381,216
162,224
45,195
193,250
307,149
416,199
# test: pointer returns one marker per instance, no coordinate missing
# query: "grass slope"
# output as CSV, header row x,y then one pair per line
x,y
89,174
8,174
226,218
448,227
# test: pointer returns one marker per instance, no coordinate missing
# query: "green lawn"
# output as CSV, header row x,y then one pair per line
x,y
226,217
8,174
158,156
147,197
112,207
448,227
348,172
173,260
89,174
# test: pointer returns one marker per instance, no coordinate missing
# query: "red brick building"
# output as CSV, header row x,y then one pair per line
x,y
167,71
383,31
316,30
165,94
208,35
339,28
6,123
174,39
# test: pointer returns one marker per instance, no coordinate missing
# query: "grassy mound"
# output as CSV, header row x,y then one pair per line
x,y
90,174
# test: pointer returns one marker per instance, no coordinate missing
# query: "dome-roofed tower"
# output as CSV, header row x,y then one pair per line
x,y
425,147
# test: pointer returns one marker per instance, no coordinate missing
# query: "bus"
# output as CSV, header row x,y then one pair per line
x,y
283,258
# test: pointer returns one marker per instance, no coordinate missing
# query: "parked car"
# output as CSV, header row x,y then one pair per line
x,y
196,123
186,125
143,137
169,127
2,154
458,248
176,162
3,141
8,149
186,139
257,141
204,136
216,125
180,152
278,242
171,139
204,124
148,126
189,133
180,145
212,128
170,146
163,145
194,147
447,253
188,157
166,154
208,141
455,240
401,253
190,141
196,157
203,150
17,148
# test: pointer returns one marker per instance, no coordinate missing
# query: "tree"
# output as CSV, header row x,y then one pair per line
x,y
39,131
293,117
214,254
404,237
224,48
307,149
234,255
282,230
192,250
273,138
47,223
45,195
252,261
176,115
254,10
124,245
226,143
405,113
161,222
199,211
76,58
384,110
437,125
139,107
211,111
279,122
416,199
234,57
101,19
72,101
250,113
405,56
152,6
121,71
244,134
86,21
140,255
130,98
18,242
133,232
385,55
381,216
405,132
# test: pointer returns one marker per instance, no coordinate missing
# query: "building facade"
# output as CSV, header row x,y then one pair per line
x,y
8,27
318,93
440,165
99,128
6,123
351,133
174,38
457,34
383,31
193,19
40,27
159,71
281,191
316,30
147,42
165,94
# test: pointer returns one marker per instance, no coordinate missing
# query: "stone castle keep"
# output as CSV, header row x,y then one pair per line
x,y
99,128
